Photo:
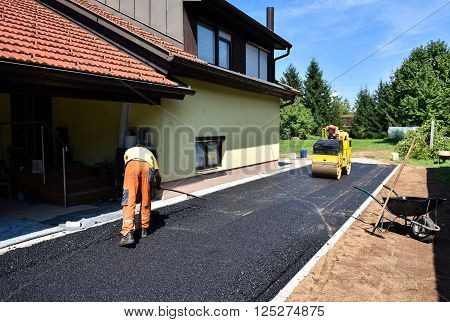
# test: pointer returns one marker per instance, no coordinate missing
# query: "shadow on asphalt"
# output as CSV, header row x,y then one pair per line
x,y
157,221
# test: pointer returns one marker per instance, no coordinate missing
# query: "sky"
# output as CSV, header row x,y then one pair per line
x,y
340,33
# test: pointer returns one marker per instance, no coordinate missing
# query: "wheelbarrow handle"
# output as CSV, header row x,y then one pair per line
x,y
389,188
380,202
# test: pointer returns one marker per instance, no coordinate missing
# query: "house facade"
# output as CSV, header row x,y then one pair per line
x,y
83,80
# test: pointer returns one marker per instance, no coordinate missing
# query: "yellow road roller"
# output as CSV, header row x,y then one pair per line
x,y
332,154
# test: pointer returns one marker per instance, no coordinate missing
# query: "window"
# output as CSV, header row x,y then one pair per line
x,y
224,49
214,46
256,62
206,39
208,152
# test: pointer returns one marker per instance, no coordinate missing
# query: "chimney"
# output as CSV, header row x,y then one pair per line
x,y
270,15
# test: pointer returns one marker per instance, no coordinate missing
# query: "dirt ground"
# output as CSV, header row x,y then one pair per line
x,y
373,154
362,267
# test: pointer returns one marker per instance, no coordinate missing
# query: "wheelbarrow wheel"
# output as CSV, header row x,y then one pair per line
x,y
421,233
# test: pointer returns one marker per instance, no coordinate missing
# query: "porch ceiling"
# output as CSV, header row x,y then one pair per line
x,y
41,80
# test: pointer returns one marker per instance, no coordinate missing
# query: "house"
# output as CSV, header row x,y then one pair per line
x,y
347,120
81,80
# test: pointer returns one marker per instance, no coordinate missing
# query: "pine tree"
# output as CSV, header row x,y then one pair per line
x,y
292,77
385,115
343,105
317,97
365,123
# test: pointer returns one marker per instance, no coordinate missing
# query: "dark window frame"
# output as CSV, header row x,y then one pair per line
x,y
217,38
229,42
203,141
212,29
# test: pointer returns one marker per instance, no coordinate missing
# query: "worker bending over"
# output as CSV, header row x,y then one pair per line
x,y
140,168
333,132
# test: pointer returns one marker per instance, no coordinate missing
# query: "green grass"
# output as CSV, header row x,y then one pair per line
x,y
373,144
288,146
379,149
427,163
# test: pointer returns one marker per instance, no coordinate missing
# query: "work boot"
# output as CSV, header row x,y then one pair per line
x,y
128,239
144,233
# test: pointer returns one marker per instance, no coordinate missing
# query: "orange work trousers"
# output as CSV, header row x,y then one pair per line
x,y
137,174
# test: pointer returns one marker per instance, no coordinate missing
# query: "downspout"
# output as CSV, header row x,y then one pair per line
x,y
284,55
292,100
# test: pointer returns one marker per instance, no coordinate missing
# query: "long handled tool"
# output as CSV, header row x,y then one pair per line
x,y
181,192
393,186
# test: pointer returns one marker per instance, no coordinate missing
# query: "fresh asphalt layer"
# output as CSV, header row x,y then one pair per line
x,y
240,244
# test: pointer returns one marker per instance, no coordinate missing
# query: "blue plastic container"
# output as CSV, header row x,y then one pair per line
x,y
303,153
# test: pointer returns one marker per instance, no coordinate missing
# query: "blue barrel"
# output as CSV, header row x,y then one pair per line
x,y
303,153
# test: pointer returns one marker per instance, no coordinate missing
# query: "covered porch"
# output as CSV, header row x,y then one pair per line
x,y
62,139
64,144
61,149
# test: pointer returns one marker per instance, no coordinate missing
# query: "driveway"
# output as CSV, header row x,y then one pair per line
x,y
240,244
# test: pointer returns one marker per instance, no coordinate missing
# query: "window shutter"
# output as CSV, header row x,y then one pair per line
x,y
252,61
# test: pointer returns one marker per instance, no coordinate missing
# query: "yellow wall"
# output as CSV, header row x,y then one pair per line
x,y
5,129
93,127
219,107
144,115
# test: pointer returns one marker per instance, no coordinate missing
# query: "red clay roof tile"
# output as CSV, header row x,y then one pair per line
x,y
138,31
31,33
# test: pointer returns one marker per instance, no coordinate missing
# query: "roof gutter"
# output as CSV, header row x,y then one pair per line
x,y
14,71
228,7
185,68
284,55
290,102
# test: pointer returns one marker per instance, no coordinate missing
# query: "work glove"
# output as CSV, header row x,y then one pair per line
x,y
155,179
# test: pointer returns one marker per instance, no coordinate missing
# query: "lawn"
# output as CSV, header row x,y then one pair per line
x,y
288,146
379,149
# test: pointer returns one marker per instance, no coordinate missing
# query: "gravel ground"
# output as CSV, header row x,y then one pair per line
x,y
241,244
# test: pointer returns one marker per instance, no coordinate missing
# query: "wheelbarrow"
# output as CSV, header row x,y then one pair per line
x,y
420,214
443,156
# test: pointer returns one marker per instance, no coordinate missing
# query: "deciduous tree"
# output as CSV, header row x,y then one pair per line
x,y
421,86
295,121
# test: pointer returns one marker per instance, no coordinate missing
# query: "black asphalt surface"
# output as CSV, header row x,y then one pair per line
x,y
240,244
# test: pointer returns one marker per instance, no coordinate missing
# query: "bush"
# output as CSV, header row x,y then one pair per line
x,y
295,121
422,149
